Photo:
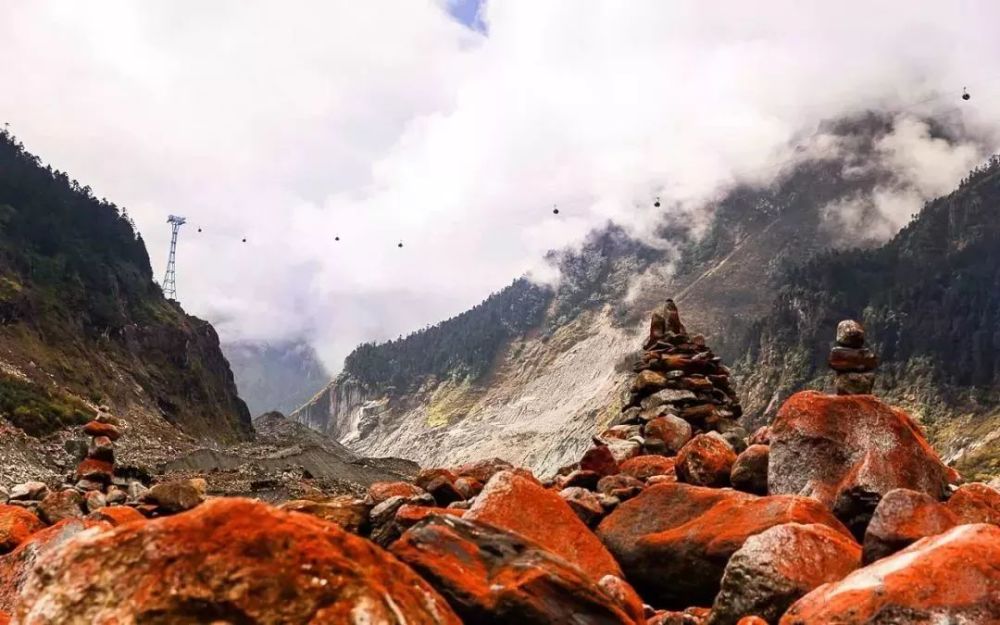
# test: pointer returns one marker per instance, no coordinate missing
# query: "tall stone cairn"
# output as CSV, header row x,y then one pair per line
x,y
679,375
853,364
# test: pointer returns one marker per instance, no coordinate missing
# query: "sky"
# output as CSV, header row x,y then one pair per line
x,y
454,126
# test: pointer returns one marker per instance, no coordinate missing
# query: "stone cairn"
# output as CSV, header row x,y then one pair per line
x,y
679,376
853,364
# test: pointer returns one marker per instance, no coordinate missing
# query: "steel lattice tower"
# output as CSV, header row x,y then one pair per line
x,y
170,279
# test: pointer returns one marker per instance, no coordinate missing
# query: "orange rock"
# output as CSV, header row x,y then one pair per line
x,y
380,491
673,431
777,567
948,578
228,560
848,451
468,487
621,486
483,470
16,525
515,503
440,484
426,476
491,576
645,467
409,515
344,510
96,428
95,470
902,518
600,460
976,503
706,460
116,515
673,540
751,620
18,564
749,473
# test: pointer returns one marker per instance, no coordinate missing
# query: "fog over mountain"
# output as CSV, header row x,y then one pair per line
x,y
393,122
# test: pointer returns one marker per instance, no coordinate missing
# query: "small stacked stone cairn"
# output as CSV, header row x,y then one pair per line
x,y
679,375
853,364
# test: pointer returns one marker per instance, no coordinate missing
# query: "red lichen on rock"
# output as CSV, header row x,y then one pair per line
x,y
409,515
673,540
775,568
16,525
482,470
600,460
95,470
15,566
976,503
380,491
645,467
516,503
96,428
848,451
491,576
902,518
116,515
948,578
706,460
230,560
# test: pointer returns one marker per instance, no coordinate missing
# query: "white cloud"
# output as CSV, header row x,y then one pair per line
x,y
380,121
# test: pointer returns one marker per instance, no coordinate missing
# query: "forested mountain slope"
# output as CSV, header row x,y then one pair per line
x,y
930,299
83,324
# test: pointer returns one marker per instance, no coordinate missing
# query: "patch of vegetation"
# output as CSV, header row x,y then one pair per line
x,y
37,411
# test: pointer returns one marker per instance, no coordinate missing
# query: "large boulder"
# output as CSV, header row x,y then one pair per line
x,y
849,451
902,518
16,525
950,578
521,505
491,576
673,540
229,561
775,568
344,510
749,472
16,565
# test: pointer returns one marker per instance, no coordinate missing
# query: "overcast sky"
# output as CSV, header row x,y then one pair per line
x,y
452,127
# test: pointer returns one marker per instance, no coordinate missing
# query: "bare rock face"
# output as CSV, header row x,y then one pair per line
x,y
229,560
515,503
673,540
494,577
902,518
849,451
949,578
775,568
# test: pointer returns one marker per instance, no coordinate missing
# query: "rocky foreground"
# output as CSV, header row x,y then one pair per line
x,y
839,512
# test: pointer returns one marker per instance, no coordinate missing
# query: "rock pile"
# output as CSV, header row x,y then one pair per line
x,y
838,512
680,387
853,364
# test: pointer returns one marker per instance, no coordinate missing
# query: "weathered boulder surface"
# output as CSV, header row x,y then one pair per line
x,y
673,540
514,502
491,576
231,561
976,503
16,565
775,568
749,472
902,518
847,452
950,578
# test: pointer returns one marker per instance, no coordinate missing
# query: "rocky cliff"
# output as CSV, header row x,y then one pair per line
x,y
82,324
